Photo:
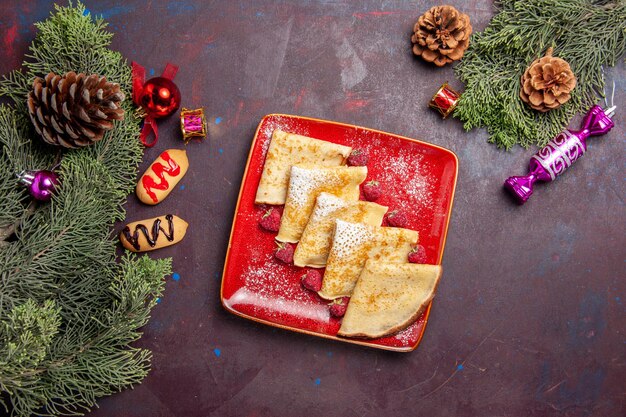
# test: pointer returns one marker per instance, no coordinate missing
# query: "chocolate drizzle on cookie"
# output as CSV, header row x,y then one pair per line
x,y
151,238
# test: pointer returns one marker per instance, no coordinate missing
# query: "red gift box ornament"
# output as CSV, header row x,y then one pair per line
x,y
158,97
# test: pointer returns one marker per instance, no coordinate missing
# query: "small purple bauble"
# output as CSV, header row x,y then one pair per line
x,y
41,184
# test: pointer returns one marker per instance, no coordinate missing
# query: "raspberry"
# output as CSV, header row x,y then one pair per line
x,y
417,255
358,158
339,306
284,252
270,220
372,190
396,219
312,280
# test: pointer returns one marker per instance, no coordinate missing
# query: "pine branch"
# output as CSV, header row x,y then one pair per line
x,y
590,35
101,351
15,86
68,312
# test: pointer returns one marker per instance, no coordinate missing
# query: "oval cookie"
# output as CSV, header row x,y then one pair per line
x,y
162,176
155,233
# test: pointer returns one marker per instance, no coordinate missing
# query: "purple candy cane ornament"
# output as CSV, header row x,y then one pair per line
x,y
560,153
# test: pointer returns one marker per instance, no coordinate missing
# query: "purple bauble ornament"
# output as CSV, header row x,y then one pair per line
x,y
41,184
560,153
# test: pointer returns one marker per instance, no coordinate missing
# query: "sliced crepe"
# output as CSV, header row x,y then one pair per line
x,y
305,184
353,244
388,297
288,149
318,234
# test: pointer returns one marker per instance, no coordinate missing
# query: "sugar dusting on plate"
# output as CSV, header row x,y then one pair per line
x,y
270,280
408,335
269,285
414,193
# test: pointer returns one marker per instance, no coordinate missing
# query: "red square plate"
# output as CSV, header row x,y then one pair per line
x,y
418,178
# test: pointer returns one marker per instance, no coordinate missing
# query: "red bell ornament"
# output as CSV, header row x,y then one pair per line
x,y
160,97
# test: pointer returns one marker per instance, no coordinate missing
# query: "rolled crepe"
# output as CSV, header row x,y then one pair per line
x,y
288,149
388,297
305,184
317,237
353,244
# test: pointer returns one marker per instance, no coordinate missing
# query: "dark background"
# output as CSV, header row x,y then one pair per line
x,y
529,316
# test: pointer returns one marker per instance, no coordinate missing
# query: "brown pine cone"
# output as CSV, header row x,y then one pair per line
x,y
547,82
441,35
74,110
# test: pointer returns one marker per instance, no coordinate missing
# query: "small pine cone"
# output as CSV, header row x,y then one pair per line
x,y
441,35
74,110
547,82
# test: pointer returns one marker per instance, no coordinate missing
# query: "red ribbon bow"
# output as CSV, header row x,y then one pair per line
x,y
139,80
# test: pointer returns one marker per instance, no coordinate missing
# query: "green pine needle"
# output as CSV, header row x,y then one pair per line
x,y
68,311
588,34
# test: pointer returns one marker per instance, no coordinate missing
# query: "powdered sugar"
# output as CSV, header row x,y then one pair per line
x,y
267,139
408,335
302,182
411,194
327,204
268,280
277,308
269,285
348,237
